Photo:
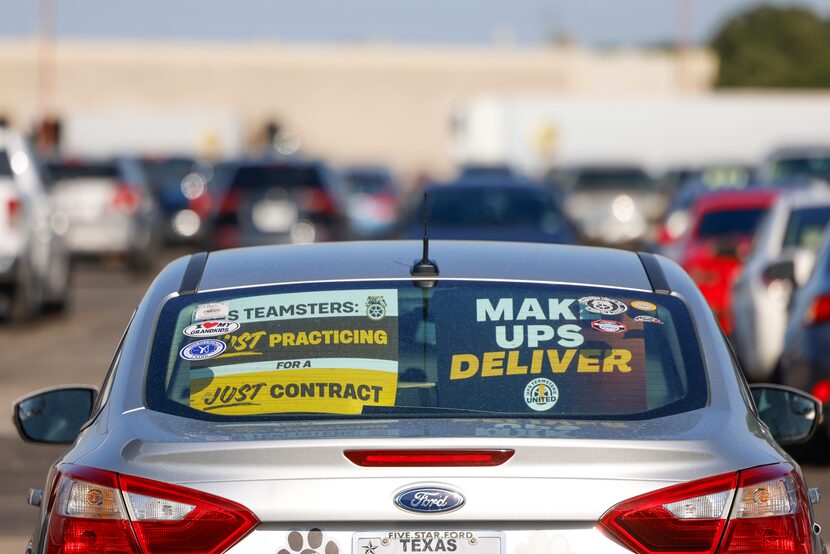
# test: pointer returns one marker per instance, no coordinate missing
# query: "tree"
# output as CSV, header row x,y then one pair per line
x,y
774,47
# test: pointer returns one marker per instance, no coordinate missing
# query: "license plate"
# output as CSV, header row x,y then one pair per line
x,y
429,542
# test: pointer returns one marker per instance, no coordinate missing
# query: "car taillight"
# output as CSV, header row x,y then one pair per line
x,y
125,199
821,390
13,207
770,513
819,311
318,201
230,203
96,511
428,458
760,510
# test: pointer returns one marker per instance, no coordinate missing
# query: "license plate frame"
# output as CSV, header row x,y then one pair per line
x,y
426,541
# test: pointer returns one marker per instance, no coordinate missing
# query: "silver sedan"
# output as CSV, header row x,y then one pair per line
x,y
363,398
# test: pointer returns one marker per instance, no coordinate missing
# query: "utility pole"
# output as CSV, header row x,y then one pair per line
x,y
45,71
684,41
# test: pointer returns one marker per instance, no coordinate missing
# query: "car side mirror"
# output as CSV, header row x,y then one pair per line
x,y
792,416
54,416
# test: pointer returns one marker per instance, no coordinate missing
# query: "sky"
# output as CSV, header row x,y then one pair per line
x,y
590,22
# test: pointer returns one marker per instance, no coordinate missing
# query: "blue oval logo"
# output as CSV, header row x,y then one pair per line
x,y
429,500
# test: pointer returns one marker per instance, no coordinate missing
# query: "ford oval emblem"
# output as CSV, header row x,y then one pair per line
x,y
428,500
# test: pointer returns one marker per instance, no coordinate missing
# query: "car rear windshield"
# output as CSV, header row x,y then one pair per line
x,y
459,349
805,228
613,179
817,167
167,174
730,223
103,170
492,207
5,166
261,179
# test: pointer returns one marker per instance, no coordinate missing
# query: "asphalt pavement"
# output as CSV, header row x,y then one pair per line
x,y
76,347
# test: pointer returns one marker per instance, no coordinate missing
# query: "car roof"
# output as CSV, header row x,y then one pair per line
x,y
806,198
732,199
393,260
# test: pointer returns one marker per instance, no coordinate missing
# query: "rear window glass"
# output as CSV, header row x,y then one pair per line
x,y
165,175
730,223
805,228
60,172
263,179
614,179
817,167
492,207
5,166
389,349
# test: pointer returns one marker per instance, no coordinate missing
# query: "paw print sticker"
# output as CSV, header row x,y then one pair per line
x,y
543,543
309,543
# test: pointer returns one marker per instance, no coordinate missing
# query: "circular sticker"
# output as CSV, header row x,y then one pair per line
x,y
211,328
648,319
643,305
202,349
375,308
603,305
541,394
608,326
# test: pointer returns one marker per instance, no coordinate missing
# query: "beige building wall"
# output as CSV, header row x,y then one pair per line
x,y
351,103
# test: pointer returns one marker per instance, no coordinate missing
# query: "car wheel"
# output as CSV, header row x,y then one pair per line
x,y
24,303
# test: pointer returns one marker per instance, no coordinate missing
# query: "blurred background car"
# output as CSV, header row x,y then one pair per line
x,y
789,237
372,199
174,182
280,202
34,261
719,238
690,184
794,163
804,358
614,205
476,209
110,208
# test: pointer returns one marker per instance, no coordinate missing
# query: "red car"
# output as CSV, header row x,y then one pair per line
x,y
719,239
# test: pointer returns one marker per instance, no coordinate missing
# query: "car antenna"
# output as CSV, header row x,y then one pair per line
x,y
425,267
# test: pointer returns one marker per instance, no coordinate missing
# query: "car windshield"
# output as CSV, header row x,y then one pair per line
x,y
809,167
368,183
391,349
613,179
260,179
512,207
730,223
5,166
167,174
805,227
86,170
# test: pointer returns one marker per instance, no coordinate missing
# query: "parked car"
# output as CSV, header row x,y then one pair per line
x,y
34,261
280,201
613,205
804,360
372,198
797,163
512,210
719,240
791,232
588,390
110,208
175,182
715,177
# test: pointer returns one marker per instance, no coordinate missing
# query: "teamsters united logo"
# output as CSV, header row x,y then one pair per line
x,y
375,308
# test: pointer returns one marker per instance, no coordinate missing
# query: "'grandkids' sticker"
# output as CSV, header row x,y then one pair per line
x,y
212,328
318,352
